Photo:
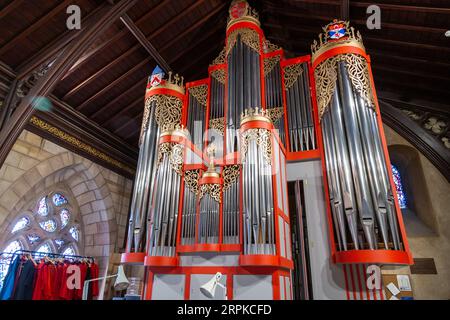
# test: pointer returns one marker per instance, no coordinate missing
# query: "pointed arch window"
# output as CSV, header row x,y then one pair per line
x,y
401,197
51,226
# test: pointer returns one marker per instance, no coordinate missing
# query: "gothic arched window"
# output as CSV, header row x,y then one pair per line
x,y
399,187
51,227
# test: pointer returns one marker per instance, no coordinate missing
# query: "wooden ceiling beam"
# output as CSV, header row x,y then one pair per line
x,y
114,38
36,25
403,7
124,54
51,49
44,85
85,103
137,33
163,49
114,101
9,7
345,10
188,66
124,110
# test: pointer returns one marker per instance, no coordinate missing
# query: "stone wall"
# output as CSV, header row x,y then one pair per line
x,y
35,165
434,191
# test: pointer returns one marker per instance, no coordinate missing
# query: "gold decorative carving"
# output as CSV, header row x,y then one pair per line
x,y
275,114
213,189
270,63
230,175
269,46
325,75
291,74
263,140
167,113
200,93
175,152
221,58
248,36
78,144
191,178
218,125
219,75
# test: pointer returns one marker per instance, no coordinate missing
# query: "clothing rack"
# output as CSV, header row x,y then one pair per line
x,y
44,254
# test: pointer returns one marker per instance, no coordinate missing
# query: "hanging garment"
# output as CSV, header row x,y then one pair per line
x,y
42,284
78,293
25,281
94,284
8,283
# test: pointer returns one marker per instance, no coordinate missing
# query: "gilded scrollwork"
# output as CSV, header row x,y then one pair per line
x,y
167,113
270,63
213,189
219,75
270,47
218,125
325,75
175,152
220,59
275,114
291,74
200,93
56,132
263,140
230,175
191,178
248,36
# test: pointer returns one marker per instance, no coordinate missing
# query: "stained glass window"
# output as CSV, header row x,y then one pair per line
x,y
59,199
69,251
49,225
399,187
59,242
42,207
65,216
33,238
22,223
45,248
5,259
74,232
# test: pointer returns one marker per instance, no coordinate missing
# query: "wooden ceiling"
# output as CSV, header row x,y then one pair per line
x,y
410,54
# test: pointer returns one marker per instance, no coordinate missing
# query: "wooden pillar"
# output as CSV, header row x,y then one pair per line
x,y
44,85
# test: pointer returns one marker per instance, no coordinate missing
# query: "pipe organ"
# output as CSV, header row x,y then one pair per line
x,y
210,193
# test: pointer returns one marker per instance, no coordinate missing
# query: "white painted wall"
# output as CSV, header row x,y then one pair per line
x,y
328,280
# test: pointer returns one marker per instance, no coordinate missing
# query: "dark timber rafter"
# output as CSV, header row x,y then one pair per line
x,y
39,23
137,33
130,51
345,10
167,46
44,85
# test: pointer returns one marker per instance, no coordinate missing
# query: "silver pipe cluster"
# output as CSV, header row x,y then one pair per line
x,y
360,193
258,210
231,214
208,227
299,113
196,123
189,217
244,88
143,190
216,112
274,98
164,220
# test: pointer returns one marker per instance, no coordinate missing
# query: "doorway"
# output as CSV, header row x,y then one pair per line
x,y
301,275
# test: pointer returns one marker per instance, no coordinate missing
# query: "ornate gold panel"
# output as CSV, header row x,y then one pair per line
x,y
200,93
291,74
263,140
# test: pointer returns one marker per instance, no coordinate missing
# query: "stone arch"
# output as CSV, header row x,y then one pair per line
x,y
420,207
89,189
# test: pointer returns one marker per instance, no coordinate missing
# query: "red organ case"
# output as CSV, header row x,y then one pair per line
x,y
211,187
